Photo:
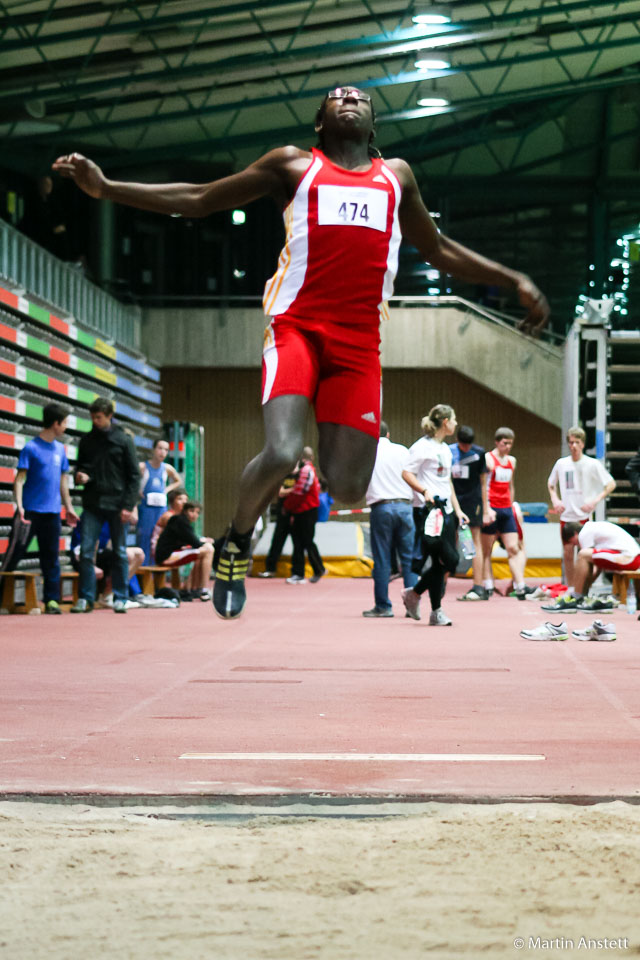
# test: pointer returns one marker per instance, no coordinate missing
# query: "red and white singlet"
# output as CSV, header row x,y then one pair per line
x,y
329,293
342,239
499,483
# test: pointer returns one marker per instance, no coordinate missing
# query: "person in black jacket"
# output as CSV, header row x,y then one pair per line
x,y
107,468
179,544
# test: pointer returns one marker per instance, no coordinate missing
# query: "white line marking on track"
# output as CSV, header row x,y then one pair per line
x,y
372,757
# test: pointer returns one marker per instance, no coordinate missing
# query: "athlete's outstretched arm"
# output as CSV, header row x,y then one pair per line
x,y
266,176
450,257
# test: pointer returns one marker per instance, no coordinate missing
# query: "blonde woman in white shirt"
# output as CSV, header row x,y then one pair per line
x,y
428,473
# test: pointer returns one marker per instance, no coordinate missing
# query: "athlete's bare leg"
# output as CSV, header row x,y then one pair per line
x,y
285,421
346,458
568,553
487,540
477,564
515,556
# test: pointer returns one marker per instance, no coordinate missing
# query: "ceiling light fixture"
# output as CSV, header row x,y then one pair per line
x,y
431,18
433,102
432,65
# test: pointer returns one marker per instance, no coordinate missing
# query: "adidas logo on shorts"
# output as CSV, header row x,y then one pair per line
x,y
371,417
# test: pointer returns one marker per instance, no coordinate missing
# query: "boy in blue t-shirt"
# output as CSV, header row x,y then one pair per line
x,y
40,487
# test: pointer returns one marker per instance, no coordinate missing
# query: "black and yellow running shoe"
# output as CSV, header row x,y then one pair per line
x,y
229,594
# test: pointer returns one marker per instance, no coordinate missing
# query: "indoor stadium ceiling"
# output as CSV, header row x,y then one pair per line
x,y
530,86
532,157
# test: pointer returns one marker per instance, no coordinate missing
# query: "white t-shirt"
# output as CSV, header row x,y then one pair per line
x,y
601,536
431,461
579,481
386,481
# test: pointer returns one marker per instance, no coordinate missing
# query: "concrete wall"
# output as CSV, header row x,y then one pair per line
x,y
527,373
227,404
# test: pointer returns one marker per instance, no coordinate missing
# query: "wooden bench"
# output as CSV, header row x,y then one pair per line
x,y
73,576
8,602
621,581
154,578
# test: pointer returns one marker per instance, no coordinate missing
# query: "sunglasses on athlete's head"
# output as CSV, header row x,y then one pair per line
x,y
346,93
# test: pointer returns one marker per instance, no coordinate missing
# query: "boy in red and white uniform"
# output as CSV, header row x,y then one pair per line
x,y
301,503
503,521
345,210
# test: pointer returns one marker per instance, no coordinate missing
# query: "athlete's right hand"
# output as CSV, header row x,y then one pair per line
x,y
84,172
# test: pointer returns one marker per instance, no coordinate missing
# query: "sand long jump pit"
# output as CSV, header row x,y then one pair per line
x,y
341,881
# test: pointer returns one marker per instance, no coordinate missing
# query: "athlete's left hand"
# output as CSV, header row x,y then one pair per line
x,y
535,302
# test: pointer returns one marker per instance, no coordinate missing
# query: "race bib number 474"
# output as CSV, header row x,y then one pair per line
x,y
352,207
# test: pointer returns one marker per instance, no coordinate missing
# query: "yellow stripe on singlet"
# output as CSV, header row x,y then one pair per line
x,y
283,266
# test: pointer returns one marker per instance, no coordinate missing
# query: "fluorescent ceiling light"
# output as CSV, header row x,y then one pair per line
x,y
432,65
431,18
433,102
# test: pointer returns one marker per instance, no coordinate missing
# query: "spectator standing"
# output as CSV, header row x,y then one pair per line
x,y
107,467
158,479
390,521
302,503
40,488
503,522
428,472
468,470
582,482
281,530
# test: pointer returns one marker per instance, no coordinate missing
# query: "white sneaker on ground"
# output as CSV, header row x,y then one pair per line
x,y
547,631
597,631
295,579
411,601
105,601
438,618
538,594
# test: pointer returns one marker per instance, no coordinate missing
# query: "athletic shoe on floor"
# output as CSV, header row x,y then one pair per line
x,y
120,606
52,606
477,592
548,631
562,605
538,594
411,601
296,579
596,603
597,631
267,574
438,618
229,593
317,576
105,601
81,606
378,612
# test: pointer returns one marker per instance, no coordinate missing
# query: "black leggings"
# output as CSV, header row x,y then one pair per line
x,y
443,556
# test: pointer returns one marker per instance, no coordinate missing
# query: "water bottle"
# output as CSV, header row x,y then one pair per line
x,y
631,598
465,542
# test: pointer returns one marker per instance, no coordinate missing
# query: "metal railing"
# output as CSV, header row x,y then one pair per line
x,y
64,288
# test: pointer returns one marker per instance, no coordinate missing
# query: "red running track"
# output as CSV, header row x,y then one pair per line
x,y
303,695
